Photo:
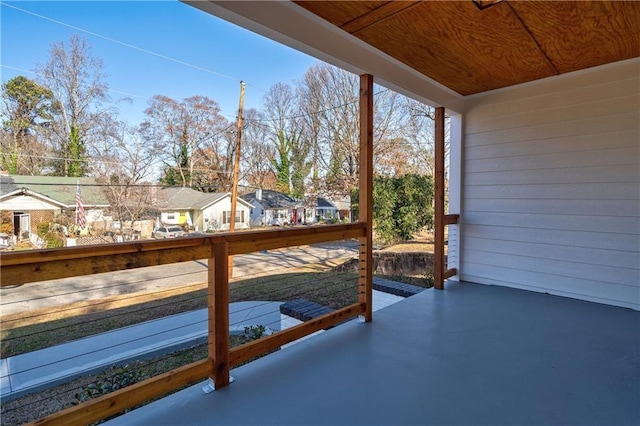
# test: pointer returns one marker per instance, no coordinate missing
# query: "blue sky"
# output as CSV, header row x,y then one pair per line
x,y
167,28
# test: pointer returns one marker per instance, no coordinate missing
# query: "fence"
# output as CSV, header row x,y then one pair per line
x,y
41,265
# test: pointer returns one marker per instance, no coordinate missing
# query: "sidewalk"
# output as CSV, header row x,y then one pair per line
x,y
45,368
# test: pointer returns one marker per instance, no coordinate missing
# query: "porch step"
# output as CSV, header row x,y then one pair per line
x,y
304,310
396,288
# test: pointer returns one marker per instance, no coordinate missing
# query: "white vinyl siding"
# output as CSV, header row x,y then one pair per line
x,y
218,215
551,187
26,203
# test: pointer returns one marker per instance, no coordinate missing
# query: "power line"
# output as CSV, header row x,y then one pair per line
x,y
131,46
107,162
309,114
120,92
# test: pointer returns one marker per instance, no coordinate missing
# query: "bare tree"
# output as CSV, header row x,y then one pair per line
x,y
330,102
76,81
124,164
290,160
215,160
192,138
257,152
310,96
420,138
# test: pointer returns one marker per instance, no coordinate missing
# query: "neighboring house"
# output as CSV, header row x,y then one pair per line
x,y
204,211
274,208
318,209
26,201
325,210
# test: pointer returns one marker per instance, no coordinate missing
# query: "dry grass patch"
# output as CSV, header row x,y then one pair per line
x,y
43,328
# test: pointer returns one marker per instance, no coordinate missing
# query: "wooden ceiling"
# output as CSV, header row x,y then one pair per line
x,y
472,50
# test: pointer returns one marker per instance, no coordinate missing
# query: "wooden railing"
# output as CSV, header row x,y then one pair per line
x,y
40,265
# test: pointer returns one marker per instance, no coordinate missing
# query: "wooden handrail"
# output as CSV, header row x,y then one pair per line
x,y
48,264
118,401
451,272
258,347
451,219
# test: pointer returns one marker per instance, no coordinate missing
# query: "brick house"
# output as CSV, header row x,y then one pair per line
x,y
26,201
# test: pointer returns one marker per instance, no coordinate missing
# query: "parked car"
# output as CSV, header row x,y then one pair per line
x,y
279,221
168,232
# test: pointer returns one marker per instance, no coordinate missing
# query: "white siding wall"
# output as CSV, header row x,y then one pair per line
x,y
455,177
26,203
551,186
258,214
215,212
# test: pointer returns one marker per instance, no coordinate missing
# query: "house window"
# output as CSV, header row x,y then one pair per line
x,y
171,216
226,216
183,214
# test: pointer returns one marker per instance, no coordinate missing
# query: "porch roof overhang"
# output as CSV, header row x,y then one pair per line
x,y
439,52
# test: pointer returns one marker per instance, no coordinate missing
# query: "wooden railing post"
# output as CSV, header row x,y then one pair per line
x,y
365,200
438,244
218,304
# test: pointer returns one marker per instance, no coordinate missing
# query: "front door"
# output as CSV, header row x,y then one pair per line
x,y
21,225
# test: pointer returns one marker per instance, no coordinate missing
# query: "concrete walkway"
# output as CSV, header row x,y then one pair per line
x,y
45,368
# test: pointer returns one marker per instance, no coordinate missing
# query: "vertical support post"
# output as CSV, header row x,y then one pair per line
x,y
438,258
218,323
365,200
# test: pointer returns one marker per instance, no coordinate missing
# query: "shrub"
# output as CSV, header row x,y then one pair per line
x,y
112,379
401,206
428,278
6,222
49,232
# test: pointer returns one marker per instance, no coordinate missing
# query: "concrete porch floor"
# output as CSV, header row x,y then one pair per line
x,y
471,354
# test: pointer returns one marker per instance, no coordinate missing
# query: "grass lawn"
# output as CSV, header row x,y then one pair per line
x,y
48,327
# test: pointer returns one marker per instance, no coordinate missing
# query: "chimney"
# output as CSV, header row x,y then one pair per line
x,y
259,194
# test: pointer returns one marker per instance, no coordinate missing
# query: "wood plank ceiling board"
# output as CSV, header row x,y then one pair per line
x,y
578,35
340,12
464,48
377,15
470,50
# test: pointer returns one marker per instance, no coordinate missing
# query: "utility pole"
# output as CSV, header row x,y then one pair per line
x,y
236,172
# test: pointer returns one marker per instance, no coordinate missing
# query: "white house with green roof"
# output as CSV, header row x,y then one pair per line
x,y
26,201
204,211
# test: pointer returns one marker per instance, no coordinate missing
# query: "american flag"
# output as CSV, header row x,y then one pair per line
x,y
81,220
